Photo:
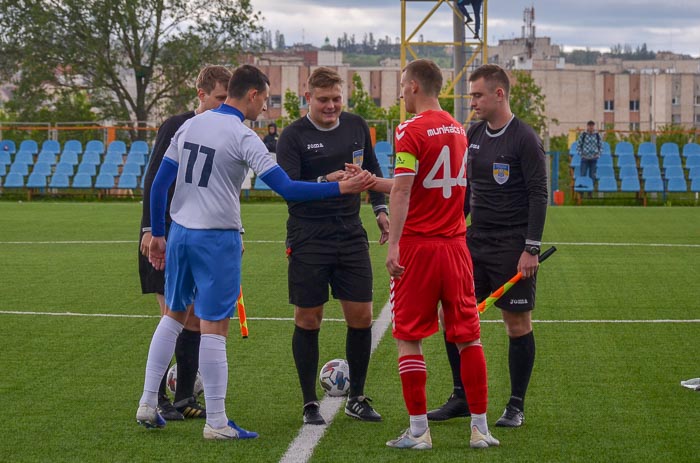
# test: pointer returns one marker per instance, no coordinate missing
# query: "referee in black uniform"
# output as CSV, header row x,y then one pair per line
x,y
212,84
507,199
326,243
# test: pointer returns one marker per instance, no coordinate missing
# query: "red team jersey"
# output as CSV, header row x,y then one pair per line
x,y
433,146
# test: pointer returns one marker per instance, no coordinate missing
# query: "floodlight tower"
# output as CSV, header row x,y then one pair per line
x,y
469,53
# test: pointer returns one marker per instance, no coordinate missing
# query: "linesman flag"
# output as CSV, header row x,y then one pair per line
x,y
240,308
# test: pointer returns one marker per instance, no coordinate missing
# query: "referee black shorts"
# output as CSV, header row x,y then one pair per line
x,y
152,280
495,257
324,252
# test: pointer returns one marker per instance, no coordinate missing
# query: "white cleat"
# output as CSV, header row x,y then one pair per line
x,y
149,417
409,441
482,441
230,431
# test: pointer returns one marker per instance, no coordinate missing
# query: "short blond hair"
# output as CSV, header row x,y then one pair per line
x,y
324,77
212,75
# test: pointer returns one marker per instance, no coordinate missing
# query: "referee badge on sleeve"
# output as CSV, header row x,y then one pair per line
x,y
501,172
358,157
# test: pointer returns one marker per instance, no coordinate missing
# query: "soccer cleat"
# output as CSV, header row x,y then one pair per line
x,y
168,411
408,441
482,441
455,407
312,414
468,19
512,418
230,431
149,417
359,408
190,408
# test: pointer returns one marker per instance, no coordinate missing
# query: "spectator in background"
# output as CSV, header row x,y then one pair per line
x,y
270,139
476,5
590,147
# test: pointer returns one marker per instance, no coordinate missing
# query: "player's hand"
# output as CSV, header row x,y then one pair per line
x,y
145,243
392,262
383,224
336,176
357,184
351,170
156,253
527,265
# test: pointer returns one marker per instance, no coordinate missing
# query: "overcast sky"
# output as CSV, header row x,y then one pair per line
x,y
597,24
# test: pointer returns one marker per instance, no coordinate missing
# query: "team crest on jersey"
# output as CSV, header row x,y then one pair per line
x,y
501,172
358,157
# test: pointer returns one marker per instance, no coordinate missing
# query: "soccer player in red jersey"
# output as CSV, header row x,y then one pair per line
x,y
428,258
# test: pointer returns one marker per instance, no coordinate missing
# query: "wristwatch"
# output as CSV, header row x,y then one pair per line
x,y
532,250
322,179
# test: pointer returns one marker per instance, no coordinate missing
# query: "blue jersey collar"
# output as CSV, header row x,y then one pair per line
x,y
226,109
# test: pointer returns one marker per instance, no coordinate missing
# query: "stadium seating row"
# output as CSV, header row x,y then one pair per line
x,y
54,147
80,181
645,148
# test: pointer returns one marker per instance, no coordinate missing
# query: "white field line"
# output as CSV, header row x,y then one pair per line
x,y
332,320
302,447
557,243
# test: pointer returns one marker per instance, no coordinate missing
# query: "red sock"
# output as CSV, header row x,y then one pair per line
x,y
474,378
413,378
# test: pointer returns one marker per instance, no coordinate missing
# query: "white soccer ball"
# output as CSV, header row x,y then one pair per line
x,y
335,378
171,381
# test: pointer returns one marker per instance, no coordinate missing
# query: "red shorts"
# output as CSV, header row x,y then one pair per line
x,y
437,270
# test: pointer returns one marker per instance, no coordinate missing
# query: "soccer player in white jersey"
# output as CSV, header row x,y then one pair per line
x,y
210,156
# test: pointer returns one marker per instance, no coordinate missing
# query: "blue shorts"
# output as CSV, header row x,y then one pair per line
x,y
204,267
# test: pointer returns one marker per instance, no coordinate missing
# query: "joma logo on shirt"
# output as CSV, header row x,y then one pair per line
x,y
312,146
474,146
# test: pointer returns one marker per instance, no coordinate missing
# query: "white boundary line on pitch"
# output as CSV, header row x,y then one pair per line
x,y
558,243
302,447
338,320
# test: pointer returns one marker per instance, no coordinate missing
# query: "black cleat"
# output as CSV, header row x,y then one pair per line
x,y
190,408
512,418
455,407
312,414
168,411
359,408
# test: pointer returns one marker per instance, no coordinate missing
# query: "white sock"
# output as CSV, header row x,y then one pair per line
x,y
419,424
159,355
213,366
479,420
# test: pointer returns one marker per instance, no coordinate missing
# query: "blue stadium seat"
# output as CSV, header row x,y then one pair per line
x,y
8,146
386,170
605,160
19,168
136,158
692,161
626,160
51,146
383,147
607,184
573,149
654,185
29,145
87,168
673,172
583,184
104,181
604,172
25,157
131,169
68,157
677,185
95,145
669,148
109,169
575,161
624,147
47,157
43,168
649,160
73,145
628,172
646,147
650,172
5,158
671,161
118,147
139,147
13,180
606,148
695,185
36,180
691,148
127,181
59,181
65,169
114,158
82,180
629,184
694,173
91,157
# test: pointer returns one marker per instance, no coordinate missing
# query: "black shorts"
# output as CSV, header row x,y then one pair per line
x,y
329,251
495,256
152,280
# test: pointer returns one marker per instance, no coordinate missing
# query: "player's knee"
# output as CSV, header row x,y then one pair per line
x,y
308,319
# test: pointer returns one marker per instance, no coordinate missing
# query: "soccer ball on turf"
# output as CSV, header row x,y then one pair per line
x,y
171,381
335,378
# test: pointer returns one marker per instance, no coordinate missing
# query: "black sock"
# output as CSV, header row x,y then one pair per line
x,y
521,360
162,395
187,358
305,351
358,347
455,362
